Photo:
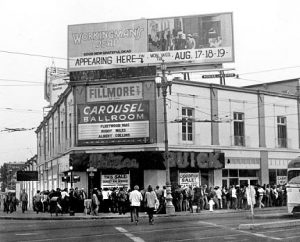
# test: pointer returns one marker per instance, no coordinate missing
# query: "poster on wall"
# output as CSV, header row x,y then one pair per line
x,y
281,180
115,180
201,39
189,179
113,122
56,82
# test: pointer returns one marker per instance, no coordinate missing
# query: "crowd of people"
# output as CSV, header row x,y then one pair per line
x,y
232,197
122,200
9,202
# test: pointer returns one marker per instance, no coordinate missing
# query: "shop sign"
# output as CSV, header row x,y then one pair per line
x,y
27,176
112,161
114,92
115,180
111,123
212,160
189,179
206,39
281,180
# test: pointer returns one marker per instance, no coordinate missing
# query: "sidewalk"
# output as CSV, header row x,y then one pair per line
x,y
274,212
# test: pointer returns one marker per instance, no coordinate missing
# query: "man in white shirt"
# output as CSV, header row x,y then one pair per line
x,y
233,198
135,199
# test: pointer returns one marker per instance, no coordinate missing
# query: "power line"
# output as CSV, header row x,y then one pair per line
x,y
33,55
14,80
269,70
36,85
10,130
20,110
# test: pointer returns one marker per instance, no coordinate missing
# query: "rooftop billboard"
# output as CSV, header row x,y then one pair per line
x,y
197,39
56,82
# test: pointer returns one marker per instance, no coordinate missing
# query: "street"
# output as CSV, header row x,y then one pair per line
x,y
206,227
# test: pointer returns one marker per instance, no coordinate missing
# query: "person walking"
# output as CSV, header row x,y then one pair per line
x,y
122,198
150,200
24,200
135,199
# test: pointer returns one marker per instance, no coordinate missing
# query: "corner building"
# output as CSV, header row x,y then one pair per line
x,y
109,127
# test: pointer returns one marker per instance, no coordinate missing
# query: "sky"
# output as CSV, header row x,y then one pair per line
x,y
34,37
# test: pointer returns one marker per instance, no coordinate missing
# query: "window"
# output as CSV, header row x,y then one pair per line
x,y
61,137
233,173
224,173
70,129
248,173
281,132
238,129
50,144
187,124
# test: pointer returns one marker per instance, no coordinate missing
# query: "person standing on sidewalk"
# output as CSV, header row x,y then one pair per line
x,y
190,198
24,200
95,203
260,191
150,200
37,202
135,199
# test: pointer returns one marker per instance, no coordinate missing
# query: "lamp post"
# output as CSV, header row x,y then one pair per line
x,y
71,176
164,82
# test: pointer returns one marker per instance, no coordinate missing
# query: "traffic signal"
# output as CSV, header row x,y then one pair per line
x,y
65,179
76,179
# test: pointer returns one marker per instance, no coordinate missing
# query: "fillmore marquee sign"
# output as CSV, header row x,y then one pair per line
x,y
112,92
204,39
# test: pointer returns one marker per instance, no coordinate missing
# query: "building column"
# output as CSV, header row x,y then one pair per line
x,y
298,114
218,177
261,120
264,168
214,116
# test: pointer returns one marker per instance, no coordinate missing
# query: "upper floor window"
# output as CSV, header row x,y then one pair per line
x,y
239,129
281,132
187,124
61,133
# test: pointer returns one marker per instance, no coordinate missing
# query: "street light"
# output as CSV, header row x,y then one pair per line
x,y
164,82
71,171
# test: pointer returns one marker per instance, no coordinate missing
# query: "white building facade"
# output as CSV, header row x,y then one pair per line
x,y
222,135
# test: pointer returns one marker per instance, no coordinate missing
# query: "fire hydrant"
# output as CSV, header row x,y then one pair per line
x,y
211,205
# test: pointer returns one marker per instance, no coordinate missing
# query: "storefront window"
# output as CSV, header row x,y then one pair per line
x,y
233,173
272,176
248,173
233,181
281,172
225,173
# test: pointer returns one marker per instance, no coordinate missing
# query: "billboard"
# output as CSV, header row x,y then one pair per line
x,y
27,176
122,122
200,39
56,82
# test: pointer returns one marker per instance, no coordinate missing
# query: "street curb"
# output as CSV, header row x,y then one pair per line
x,y
279,224
88,217
203,214
269,216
